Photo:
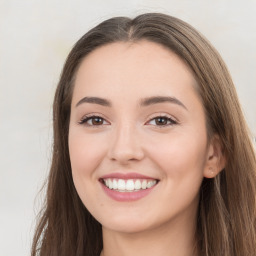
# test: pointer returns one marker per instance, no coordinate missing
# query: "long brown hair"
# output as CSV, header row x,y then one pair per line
x,y
226,224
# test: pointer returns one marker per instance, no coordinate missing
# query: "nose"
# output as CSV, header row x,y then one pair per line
x,y
125,146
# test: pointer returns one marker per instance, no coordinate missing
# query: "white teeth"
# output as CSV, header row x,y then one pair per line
x,y
110,184
144,184
151,183
121,184
137,184
129,185
115,186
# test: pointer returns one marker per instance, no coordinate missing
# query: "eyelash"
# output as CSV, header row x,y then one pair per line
x,y
86,119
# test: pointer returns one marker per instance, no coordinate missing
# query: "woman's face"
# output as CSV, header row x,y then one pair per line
x,y
137,137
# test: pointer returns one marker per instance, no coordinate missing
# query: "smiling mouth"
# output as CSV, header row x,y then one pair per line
x,y
128,185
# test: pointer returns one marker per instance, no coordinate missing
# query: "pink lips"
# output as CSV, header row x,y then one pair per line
x,y
126,176
126,196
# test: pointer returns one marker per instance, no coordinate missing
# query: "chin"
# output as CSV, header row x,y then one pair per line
x,y
127,227
126,224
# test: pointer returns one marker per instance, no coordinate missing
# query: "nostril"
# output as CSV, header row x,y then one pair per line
x,y
124,146
125,153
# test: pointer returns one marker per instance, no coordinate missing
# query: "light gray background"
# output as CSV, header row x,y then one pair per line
x,y
35,38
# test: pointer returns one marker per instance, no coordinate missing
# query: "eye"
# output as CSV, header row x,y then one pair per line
x,y
161,121
93,121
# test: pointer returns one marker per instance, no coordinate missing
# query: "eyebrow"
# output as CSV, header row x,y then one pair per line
x,y
161,99
94,100
144,102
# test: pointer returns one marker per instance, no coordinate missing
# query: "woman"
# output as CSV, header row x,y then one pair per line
x,y
151,153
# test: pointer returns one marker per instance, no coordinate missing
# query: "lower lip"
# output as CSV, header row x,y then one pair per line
x,y
126,196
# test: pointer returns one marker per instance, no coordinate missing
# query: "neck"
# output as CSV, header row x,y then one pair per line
x,y
173,238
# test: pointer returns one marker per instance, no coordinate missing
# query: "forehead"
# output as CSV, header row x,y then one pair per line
x,y
126,69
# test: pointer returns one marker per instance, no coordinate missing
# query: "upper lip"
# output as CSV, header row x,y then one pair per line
x,y
125,176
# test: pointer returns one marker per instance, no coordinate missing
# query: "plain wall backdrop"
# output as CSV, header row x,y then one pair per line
x,y
35,38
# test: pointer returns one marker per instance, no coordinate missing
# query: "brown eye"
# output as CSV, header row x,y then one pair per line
x,y
162,121
97,121
93,121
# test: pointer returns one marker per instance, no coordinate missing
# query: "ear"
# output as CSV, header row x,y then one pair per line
x,y
215,161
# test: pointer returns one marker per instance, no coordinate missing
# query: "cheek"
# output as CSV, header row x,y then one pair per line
x,y
86,153
180,156
181,162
